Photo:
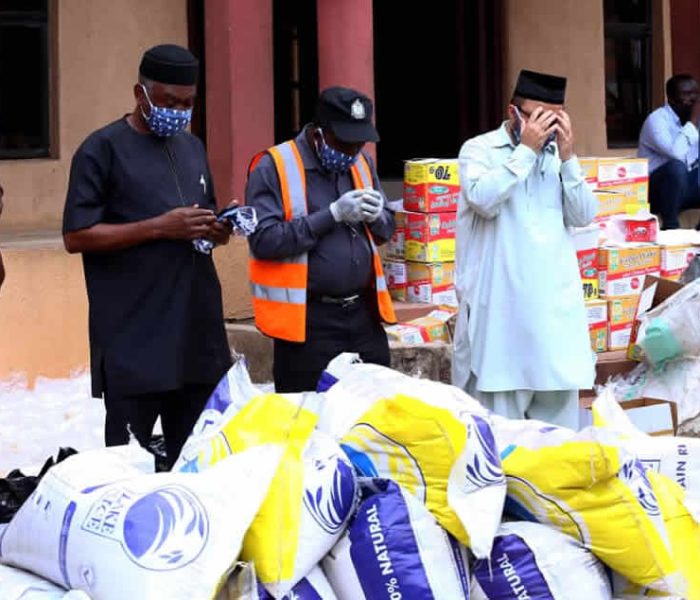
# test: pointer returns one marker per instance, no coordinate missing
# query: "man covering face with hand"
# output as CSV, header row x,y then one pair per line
x,y
521,341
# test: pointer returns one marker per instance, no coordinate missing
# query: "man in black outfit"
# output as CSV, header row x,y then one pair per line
x,y
140,192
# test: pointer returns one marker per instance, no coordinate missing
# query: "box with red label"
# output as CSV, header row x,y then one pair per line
x,y
396,278
621,312
597,313
431,185
622,269
430,328
430,237
431,282
586,244
626,176
396,246
675,260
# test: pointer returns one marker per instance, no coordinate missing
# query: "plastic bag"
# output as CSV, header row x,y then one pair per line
x,y
102,526
395,549
432,439
534,561
692,271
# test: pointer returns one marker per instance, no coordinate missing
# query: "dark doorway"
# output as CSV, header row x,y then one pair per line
x,y
295,65
438,70
195,34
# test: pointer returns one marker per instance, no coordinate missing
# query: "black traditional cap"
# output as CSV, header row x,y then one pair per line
x,y
347,113
540,86
171,64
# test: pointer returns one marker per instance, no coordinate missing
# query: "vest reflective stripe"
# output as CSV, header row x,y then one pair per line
x,y
279,286
279,294
290,169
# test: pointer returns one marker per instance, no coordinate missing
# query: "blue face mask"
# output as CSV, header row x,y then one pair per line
x,y
166,122
332,159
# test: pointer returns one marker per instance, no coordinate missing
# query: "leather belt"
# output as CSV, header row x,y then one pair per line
x,y
342,301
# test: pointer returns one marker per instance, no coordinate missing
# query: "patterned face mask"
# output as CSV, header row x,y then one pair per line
x,y
332,159
166,122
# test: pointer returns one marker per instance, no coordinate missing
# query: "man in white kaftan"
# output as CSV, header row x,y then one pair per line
x,y
521,343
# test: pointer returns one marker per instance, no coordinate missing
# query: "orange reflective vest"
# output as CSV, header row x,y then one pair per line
x,y
279,286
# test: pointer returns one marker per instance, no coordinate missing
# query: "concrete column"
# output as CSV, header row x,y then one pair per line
x,y
685,21
240,89
346,46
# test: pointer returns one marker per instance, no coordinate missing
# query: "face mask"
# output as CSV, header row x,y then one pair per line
x,y
332,159
518,125
166,122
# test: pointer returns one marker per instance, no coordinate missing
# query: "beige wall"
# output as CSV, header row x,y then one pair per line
x,y
43,311
567,38
100,43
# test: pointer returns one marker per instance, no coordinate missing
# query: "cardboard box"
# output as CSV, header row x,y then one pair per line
x,y
586,244
431,328
654,417
407,311
637,192
622,269
431,185
432,283
655,291
597,313
675,260
396,246
620,174
617,203
396,278
621,313
430,237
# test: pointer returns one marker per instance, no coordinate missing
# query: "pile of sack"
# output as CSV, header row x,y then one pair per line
x,y
376,486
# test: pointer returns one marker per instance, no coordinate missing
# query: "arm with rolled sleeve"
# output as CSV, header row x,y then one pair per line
x,y
580,205
485,186
657,134
275,237
383,228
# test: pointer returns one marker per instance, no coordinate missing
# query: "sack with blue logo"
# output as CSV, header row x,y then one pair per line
x,y
588,487
432,439
530,560
395,549
118,533
311,497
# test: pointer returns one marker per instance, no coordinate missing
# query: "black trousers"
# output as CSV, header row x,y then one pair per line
x,y
330,330
178,411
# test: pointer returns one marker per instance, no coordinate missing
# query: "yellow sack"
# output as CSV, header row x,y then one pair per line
x,y
587,487
311,497
431,439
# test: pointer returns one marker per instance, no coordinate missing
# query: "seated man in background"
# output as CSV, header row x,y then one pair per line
x,y
669,139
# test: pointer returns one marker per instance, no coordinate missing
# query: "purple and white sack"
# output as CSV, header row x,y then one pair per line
x,y
314,586
530,560
394,549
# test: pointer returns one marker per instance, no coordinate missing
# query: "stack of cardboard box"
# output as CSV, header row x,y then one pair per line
x,y
419,259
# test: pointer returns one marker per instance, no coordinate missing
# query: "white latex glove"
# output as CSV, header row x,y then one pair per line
x,y
348,208
372,205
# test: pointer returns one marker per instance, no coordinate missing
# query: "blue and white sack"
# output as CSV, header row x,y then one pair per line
x,y
119,533
314,586
530,560
394,549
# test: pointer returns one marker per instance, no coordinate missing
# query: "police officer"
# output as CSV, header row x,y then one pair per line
x,y
316,277
140,192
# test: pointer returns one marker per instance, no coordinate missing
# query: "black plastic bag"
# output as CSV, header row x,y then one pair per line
x,y
692,271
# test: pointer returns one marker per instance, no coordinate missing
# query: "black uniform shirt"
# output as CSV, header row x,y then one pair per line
x,y
339,255
156,317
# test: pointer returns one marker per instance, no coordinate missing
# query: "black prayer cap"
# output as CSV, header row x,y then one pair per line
x,y
347,113
171,64
540,86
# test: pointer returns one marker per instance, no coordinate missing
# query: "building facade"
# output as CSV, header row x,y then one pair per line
x,y
439,73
